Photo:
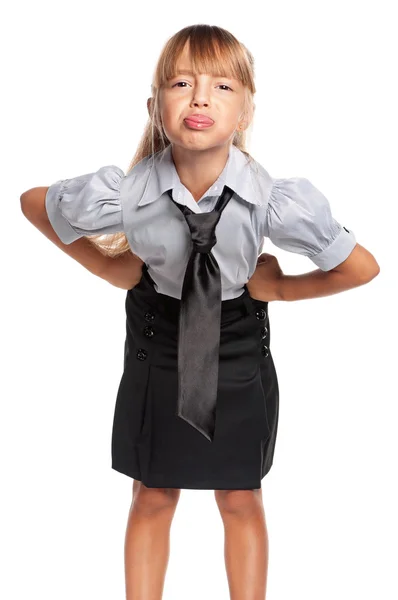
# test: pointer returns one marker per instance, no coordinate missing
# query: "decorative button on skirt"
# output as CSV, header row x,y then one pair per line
x,y
150,442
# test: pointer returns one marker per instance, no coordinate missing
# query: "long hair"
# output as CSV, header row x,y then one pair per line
x,y
213,50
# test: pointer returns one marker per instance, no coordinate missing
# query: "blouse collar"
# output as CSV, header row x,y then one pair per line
x,y
237,175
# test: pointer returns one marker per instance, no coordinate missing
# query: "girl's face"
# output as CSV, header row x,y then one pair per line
x,y
220,98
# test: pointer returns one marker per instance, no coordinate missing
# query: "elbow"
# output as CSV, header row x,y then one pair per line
x,y
32,203
23,200
28,196
359,267
366,275
371,274
370,269
26,204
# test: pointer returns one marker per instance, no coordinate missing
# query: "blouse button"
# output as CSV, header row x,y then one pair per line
x,y
149,316
260,314
264,332
148,331
141,354
264,351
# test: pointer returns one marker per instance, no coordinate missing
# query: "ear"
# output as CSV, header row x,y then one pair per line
x,y
243,122
149,106
246,117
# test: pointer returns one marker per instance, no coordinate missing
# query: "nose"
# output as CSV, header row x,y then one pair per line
x,y
199,101
201,95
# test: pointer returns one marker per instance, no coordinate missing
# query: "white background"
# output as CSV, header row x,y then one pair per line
x,y
77,76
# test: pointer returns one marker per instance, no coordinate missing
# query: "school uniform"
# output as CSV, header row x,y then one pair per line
x,y
152,441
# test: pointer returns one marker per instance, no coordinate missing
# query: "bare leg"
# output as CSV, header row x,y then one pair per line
x,y
147,542
246,542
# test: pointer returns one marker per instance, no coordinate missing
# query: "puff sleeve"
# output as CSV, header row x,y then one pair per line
x,y
299,219
86,205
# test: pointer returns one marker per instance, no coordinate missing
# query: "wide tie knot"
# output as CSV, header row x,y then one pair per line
x,y
203,230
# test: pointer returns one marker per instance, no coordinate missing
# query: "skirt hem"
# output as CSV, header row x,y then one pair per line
x,y
197,485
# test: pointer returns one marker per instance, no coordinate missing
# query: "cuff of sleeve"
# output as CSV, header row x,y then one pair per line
x,y
336,252
61,226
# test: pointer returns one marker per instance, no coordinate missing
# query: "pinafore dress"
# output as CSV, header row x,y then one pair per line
x,y
150,442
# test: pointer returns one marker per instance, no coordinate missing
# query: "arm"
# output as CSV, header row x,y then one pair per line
x,y
124,271
299,219
359,268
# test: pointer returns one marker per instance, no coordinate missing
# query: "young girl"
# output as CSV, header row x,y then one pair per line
x,y
197,404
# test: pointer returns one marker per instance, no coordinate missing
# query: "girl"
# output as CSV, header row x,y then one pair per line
x,y
197,404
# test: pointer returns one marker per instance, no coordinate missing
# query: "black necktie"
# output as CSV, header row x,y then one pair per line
x,y
199,321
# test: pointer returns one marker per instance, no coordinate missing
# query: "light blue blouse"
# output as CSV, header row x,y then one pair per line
x,y
291,212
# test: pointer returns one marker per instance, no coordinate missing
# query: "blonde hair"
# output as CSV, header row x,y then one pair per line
x,y
213,50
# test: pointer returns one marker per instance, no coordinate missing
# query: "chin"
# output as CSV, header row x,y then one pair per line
x,y
199,141
192,144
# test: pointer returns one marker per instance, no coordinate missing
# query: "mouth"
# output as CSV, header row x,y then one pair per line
x,y
198,122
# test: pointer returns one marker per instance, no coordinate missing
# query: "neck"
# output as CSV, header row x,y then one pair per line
x,y
199,169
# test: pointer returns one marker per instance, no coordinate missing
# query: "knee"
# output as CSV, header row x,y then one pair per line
x,y
238,502
153,500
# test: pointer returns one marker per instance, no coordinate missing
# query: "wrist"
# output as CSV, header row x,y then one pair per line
x,y
266,291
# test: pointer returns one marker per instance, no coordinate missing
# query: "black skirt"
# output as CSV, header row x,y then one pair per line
x,y
150,442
